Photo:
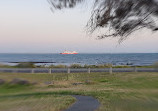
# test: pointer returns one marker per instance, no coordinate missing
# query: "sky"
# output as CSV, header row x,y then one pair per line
x,y
29,26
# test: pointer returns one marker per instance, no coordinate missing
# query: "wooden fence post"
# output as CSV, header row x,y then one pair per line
x,y
15,70
89,70
110,70
135,69
32,71
68,70
50,71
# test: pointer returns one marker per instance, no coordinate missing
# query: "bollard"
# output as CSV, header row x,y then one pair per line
x,y
110,70
89,70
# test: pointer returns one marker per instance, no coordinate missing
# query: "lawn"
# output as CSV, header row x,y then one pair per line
x,y
116,92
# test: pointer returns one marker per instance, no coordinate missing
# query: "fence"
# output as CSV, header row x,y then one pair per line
x,y
77,70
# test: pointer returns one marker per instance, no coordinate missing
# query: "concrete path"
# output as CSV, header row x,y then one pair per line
x,y
84,103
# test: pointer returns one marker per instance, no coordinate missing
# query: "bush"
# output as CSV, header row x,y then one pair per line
x,y
5,66
26,65
2,81
155,65
98,66
122,67
19,82
58,66
75,66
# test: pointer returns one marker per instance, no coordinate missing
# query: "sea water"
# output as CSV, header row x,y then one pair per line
x,y
141,59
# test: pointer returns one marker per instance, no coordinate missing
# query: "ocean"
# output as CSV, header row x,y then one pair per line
x,y
134,59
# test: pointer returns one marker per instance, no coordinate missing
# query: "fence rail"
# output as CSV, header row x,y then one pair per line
x,y
77,70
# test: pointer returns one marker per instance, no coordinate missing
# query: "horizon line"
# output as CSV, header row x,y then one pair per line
x,y
80,53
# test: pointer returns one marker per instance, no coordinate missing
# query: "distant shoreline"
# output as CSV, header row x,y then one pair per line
x,y
92,53
32,62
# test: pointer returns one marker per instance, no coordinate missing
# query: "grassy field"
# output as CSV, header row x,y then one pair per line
x,y
116,92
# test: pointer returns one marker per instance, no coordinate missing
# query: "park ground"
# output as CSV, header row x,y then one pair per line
x,y
52,92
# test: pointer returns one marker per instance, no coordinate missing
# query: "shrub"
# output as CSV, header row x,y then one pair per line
x,y
58,66
19,82
155,65
122,66
2,81
5,66
98,66
75,66
26,65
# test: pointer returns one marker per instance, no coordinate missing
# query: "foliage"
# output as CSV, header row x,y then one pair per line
x,y
156,65
120,17
75,66
2,81
98,66
5,66
58,66
60,4
26,65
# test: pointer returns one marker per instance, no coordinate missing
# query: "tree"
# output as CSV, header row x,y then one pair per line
x,y
120,17
60,4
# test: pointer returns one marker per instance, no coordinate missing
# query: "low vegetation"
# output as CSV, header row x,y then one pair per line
x,y
36,103
116,92
155,65
26,65
33,65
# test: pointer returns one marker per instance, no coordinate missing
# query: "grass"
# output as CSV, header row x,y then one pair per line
x,y
36,103
7,88
116,92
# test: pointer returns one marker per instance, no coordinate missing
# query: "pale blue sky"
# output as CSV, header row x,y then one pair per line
x,y
28,26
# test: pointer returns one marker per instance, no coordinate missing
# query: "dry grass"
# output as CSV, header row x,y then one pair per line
x,y
33,103
116,92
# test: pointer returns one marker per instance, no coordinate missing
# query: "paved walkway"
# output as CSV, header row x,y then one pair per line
x,y
84,103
